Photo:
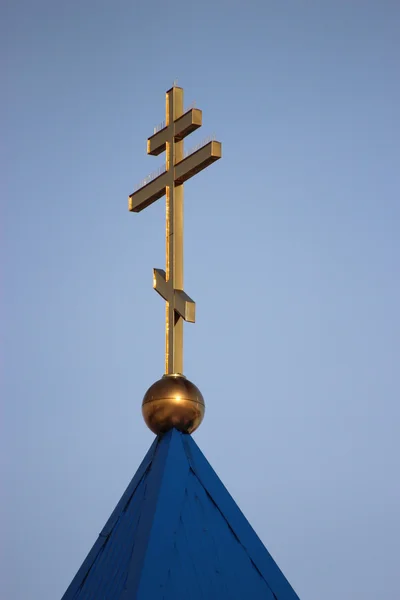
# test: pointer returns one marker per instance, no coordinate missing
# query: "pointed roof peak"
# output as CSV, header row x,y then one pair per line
x,y
175,534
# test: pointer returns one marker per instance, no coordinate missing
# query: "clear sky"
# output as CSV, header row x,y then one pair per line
x,y
292,255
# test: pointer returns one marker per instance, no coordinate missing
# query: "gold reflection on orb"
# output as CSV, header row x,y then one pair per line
x,y
173,401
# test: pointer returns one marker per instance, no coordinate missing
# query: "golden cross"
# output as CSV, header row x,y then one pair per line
x,y
178,169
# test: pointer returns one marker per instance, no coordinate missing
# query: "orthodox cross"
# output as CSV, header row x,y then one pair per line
x,y
179,167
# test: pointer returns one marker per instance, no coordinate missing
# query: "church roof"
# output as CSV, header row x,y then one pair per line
x,y
177,534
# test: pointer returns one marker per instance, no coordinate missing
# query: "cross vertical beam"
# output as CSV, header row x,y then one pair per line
x,y
174,236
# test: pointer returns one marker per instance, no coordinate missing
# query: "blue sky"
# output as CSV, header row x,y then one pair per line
x,y
291,254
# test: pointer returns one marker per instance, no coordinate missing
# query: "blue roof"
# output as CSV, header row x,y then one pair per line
x,y
177,534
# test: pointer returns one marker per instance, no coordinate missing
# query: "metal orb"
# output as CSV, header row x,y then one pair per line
x,y
173,401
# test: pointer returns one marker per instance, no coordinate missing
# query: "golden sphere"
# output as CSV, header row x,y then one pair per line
x,y
173,401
